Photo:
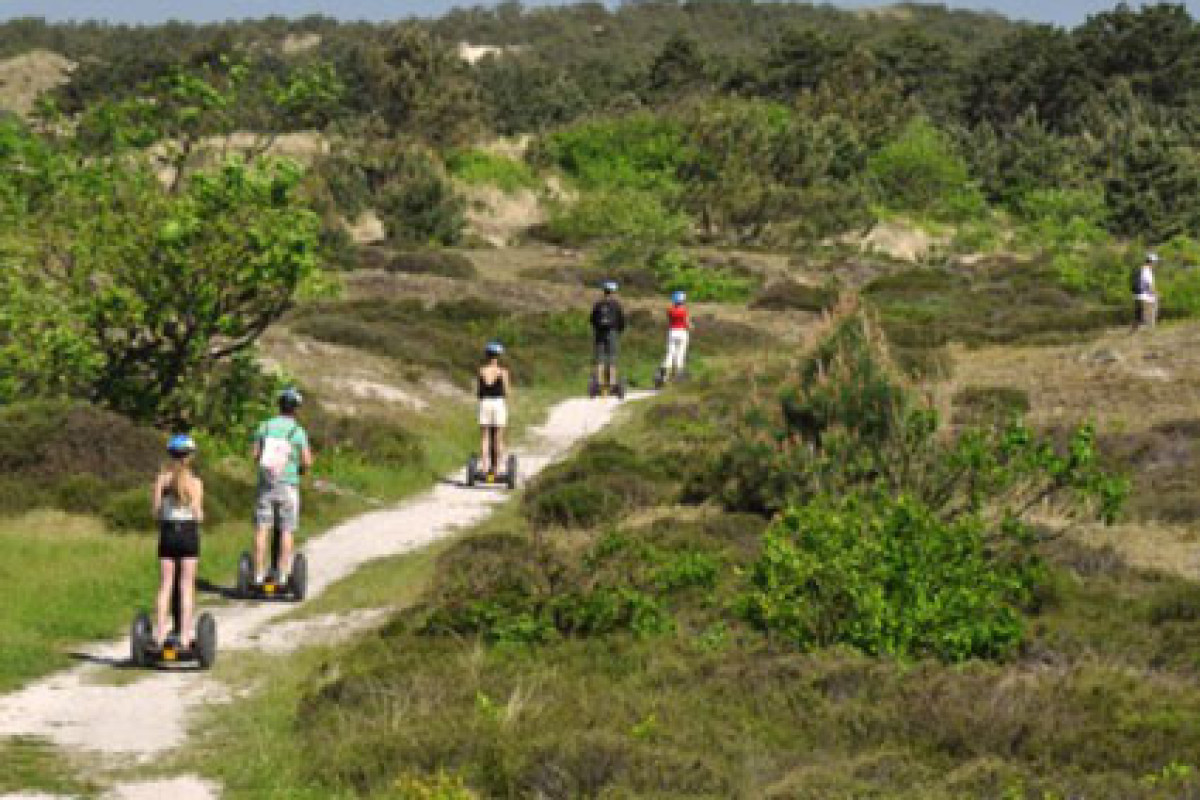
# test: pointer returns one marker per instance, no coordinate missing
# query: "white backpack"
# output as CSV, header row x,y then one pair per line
x,y
275,452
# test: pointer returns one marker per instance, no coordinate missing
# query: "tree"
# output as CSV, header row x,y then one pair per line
x,y
417,87
136,296
678,69
920,171
1037,67
801,59
1156,48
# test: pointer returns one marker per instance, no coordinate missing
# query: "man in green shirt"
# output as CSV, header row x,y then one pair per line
x,y
282,453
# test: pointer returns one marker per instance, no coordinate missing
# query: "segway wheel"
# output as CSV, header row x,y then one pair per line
x,y
245,575
206,641
660,379
593,388
621,389
510,477
140,634
298,580
472,470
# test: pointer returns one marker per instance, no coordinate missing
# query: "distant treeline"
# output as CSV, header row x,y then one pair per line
x,y
841,110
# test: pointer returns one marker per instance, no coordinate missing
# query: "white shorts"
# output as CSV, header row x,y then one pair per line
x,y
493,412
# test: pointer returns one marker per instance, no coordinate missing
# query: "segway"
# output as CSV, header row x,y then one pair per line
x,y
143,652
272,588
508,478
596,390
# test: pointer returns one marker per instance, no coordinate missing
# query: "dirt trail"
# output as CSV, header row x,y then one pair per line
x,y
149,716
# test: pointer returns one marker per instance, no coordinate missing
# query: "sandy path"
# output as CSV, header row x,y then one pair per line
x,y
149,716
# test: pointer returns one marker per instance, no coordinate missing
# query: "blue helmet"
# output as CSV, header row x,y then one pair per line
x,y
494,348
290,399
678,297
609,286
181,445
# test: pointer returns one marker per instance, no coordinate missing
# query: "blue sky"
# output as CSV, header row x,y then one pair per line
x,y
1063,12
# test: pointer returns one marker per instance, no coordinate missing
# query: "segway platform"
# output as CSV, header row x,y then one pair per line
x,y
477,477
295,588
596,390
143,652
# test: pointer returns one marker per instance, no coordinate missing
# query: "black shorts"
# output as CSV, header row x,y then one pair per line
x,y
179,539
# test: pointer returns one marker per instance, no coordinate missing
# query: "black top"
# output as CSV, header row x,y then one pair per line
x,y
493,390
614,314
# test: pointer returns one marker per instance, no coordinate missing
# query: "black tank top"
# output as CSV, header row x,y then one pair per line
x,y
493,390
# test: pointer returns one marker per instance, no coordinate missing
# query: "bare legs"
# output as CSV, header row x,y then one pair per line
x,y
166,581
286,541
491,446
187,599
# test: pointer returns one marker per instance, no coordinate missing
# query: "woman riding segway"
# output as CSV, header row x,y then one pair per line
x,y
178,501
679,326
494,389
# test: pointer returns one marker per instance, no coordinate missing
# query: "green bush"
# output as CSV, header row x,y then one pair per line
x,y
890,578
577,504
605,480
81,494
418,204
481,168
920,172
129,511
615,214
639,152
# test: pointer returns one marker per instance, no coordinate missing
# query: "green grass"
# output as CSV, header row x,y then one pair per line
x,y
32,765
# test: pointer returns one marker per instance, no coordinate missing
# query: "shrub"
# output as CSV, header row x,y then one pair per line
x,y
373,438
577,504
676,271
481,168
889,577
432,262
129,511
919,171
787,294
51,439
616,214
419,205
640,152
605,480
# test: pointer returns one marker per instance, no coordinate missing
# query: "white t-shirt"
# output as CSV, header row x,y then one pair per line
x,y
1146,283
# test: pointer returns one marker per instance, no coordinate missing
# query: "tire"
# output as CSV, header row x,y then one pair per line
x,y
593,388
472,470
245,575
140,633
298,580
660,379
206,641
511,477
621,389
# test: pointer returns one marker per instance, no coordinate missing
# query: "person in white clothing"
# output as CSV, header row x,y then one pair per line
x,y
679,326
1145,299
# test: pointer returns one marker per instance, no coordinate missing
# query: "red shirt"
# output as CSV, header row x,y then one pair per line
x,y
678,315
